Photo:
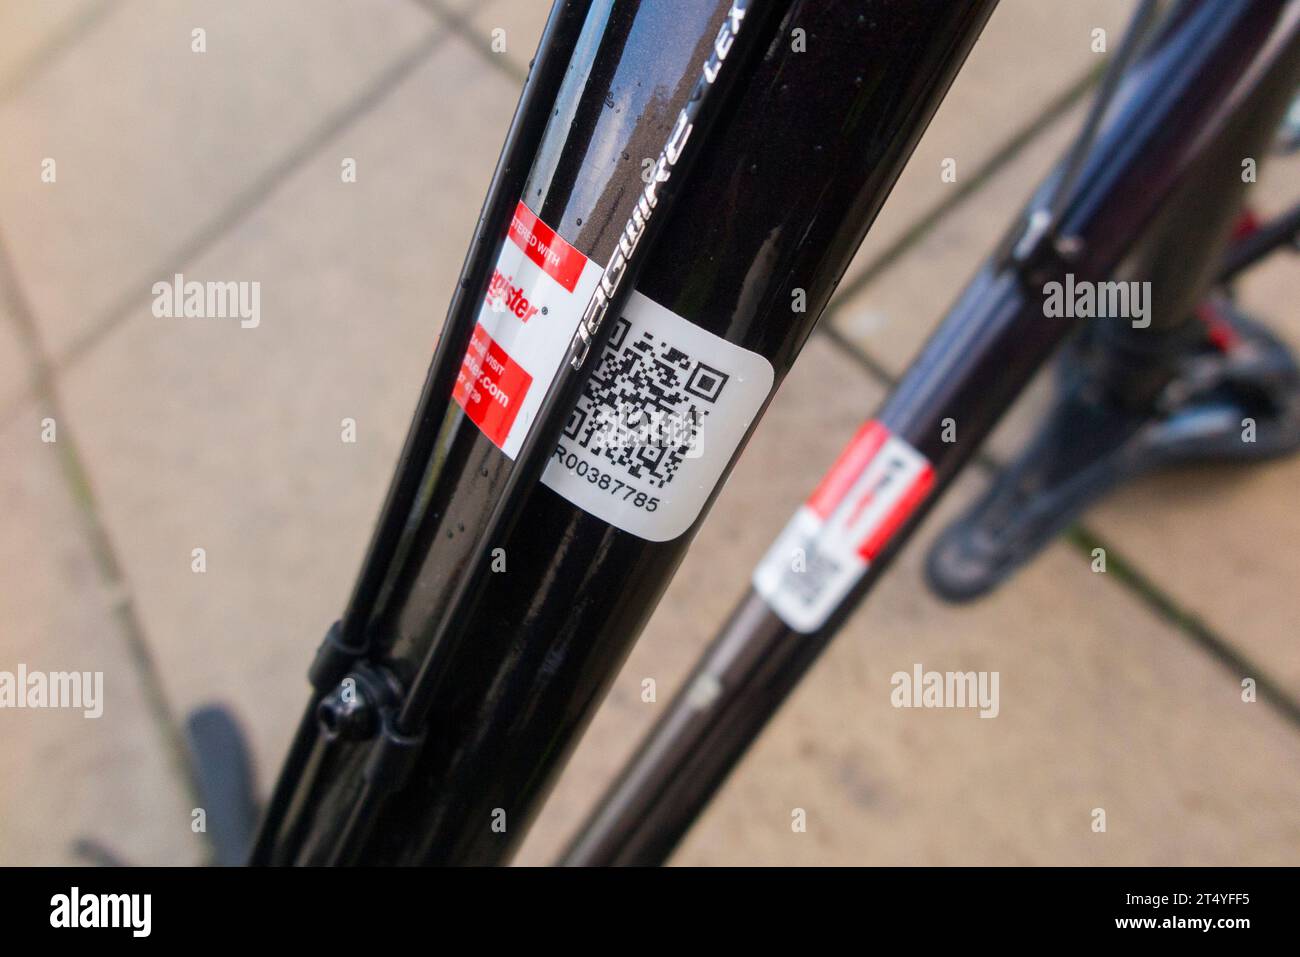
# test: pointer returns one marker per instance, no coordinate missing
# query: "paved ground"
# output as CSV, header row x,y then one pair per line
x,y
1119,691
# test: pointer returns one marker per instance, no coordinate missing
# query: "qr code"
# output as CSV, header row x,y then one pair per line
x,y
645,405
808,583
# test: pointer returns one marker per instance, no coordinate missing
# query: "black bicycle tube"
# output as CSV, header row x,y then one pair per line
x,y
1282,231
792,176
1239,58
522,140
647,211
545,75
327,803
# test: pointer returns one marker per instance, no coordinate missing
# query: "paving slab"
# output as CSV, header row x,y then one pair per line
x,y
1102,706
153,142
65,777
1224,541
203,434
15,370
31,29
520,23
1029,56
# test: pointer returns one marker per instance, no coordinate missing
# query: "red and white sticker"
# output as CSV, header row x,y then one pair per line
x,y
538,289
665,408
877,482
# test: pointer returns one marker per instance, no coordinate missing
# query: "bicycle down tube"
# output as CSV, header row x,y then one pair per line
x,y
1157,157
822,117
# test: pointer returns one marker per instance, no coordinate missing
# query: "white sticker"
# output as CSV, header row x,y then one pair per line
x,y
662,414
539,287
877,482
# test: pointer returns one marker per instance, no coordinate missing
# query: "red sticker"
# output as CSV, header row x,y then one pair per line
x,y
875,485
491,386
836,482
916,492
540,243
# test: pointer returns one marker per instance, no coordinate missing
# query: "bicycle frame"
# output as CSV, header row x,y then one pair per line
x,y
771,214
548,637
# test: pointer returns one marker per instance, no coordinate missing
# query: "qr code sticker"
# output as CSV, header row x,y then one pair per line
x,y
645,405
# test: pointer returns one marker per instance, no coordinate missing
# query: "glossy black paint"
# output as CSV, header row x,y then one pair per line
x,y
294,798
741,35
787,186
1159,189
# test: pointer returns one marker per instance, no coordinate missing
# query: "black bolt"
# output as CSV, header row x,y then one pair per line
x,y
347,712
